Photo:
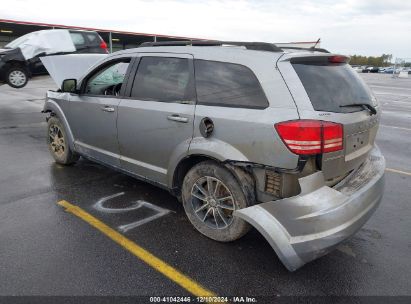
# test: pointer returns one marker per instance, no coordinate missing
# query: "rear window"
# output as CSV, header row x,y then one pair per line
x,y
332,87
78,38
228,85
91,37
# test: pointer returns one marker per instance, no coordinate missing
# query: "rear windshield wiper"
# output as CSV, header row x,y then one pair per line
x,y
365,106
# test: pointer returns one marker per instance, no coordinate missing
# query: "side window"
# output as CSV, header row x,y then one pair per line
x,y
109,80
78,38
162,79
228,85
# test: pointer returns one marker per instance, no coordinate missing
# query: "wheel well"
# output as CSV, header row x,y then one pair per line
x,y
184,166
17,63
50,114
245,178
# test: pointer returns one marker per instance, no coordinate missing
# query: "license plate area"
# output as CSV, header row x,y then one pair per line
x,y
357,141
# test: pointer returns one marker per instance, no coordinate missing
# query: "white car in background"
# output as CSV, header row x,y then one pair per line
x,y
357,68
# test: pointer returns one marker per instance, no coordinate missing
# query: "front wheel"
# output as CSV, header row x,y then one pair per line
x,y
57,142
210,195
17,77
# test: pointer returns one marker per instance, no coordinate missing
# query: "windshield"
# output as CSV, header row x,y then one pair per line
x,y
19,41
332,87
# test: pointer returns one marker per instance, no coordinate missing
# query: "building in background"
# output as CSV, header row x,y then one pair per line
x,y
116,40
120,40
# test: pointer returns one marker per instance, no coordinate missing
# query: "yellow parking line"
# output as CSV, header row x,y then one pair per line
x,y
398,171
159,265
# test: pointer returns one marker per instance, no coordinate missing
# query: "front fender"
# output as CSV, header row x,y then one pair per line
x,y
52,106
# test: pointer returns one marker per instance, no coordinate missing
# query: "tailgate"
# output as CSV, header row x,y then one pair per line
x,y
325,87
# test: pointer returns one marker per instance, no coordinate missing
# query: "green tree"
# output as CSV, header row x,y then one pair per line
x,y
383,60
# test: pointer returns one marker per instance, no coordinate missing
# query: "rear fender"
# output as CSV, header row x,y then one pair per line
x,y
211,148
216,149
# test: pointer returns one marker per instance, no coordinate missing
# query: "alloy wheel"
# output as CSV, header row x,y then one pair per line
x,y
212,202
56,138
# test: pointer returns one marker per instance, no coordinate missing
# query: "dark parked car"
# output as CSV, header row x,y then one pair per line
x,y
20,59
370,69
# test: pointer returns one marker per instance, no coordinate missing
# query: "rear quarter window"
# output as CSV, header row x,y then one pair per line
x,y
228,85
332,87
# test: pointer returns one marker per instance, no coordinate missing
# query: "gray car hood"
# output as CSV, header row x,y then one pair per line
x,y
72,66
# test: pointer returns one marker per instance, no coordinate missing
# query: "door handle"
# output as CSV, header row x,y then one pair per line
x,y
107,109
176,117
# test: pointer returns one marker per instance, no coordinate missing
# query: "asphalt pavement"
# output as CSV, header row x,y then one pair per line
x,y
45,250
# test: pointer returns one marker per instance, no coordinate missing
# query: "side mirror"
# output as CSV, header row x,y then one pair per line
x,y
69,85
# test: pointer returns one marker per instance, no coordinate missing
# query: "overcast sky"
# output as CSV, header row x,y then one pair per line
x,y
366,27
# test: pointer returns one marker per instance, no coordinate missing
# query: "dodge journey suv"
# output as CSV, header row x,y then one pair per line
x,y
244,134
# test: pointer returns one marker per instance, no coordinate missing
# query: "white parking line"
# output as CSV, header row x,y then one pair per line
x,y
392,93
394,127
398,171
397,101
403,114
397,107
388,87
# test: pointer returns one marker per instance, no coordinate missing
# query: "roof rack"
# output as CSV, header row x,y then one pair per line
x,y
258,46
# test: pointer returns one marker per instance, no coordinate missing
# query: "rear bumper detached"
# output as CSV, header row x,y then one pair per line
x,y
304,227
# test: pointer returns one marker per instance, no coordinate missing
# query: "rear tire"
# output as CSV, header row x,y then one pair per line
x,y
57,142
210,194
17,76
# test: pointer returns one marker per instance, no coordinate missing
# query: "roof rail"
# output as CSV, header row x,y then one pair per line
x,y
258,46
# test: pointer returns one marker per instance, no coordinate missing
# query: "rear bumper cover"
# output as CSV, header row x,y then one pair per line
x,y
304,227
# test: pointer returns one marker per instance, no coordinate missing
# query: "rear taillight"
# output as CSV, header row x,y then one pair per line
x,y
103,45
338,59
311,136
332,136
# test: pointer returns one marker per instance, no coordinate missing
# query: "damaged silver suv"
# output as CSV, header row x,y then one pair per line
x,y
245,134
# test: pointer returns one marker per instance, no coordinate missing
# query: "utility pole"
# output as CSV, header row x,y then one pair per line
x,y
110,42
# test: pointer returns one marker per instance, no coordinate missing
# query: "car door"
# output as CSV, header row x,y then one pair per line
x,y
36,66
156,123
93,112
